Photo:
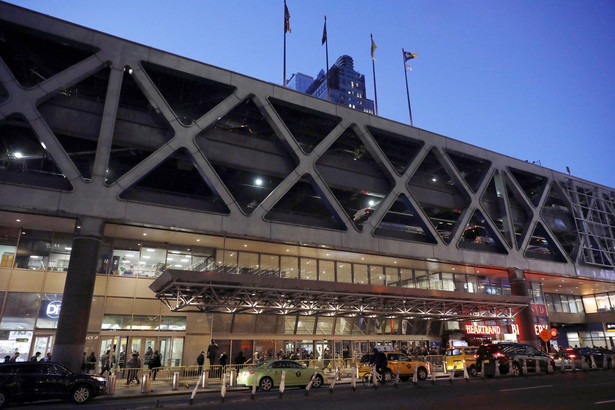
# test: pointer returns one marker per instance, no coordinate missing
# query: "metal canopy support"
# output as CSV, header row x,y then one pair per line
x,y
250,294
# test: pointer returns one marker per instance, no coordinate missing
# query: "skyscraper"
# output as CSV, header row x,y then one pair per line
x,y
343,86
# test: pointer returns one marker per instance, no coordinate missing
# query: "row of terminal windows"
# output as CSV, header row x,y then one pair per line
x,y
601,302
44,250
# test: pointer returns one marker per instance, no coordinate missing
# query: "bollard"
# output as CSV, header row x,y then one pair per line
x,y
584,364
605,363
253,386
563,365
111,385
145,383
233,379
466,376
333,380
223,387
374,377
593,361
482,369
282,383
415,378
175,385
538,369
338,374
574,366
497,368
524,367
450,378
433,375
397,378
550,369
309,386
205,381
353,380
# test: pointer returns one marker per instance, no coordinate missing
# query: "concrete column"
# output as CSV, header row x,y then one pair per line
x,y
78,292
525,318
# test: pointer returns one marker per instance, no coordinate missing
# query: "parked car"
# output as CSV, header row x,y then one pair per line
x,y
397,360
509,357
456,356
580,355
269,375
33,381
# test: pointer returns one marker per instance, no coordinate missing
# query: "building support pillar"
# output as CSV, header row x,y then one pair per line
x,y
78,292
525,318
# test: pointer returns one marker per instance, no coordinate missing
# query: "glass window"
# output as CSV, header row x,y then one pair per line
x,y
579,302
289,324
8,246
105,253
20,311
177,259
324,326
392,276
202,258
59,256
270,265
153,260
471,284
565,306
344,272
550,304
376,275
248,263
422,279
305,325
289,266
612,299
434,281
326,270
572,304
116,322
460,283
33,249
308,269
344,326
590,304
602,303
447,281
360,274
125,259
406,277
229,262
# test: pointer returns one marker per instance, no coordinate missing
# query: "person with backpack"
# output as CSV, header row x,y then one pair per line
x,y
154,364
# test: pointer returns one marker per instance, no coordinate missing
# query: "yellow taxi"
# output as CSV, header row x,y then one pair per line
x,y
396,360
455,356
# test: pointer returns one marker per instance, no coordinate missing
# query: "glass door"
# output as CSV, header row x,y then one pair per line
x,y
42,344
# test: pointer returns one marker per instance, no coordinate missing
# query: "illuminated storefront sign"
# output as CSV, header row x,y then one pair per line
x,y
483,330
610,327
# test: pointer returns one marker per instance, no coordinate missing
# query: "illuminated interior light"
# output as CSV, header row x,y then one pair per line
x,y
43,145
18,155
258,182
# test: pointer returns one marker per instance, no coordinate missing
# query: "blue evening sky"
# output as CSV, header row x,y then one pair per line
x,y
531,79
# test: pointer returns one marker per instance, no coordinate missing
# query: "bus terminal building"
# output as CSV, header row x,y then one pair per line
x,y
152,201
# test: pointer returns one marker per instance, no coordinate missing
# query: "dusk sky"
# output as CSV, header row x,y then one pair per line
x,y
530,79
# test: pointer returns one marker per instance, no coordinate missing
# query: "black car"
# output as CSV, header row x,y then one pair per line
x,y
510,357
582,356
33,381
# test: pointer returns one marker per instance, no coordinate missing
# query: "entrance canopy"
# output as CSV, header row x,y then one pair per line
x,y
218,292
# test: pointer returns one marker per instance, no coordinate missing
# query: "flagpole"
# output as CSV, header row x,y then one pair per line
x,y
326,38
403,57
374,74
285,27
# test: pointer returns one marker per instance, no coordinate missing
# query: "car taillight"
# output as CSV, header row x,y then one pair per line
x,y
497,355
476,356
572,356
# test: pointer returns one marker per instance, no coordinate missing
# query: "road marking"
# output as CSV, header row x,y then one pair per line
x,y
605,402
529,388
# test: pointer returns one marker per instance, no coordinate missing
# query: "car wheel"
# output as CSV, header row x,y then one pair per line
x,y
515,370
422,373
473,371
266,384
318,381
4,398
81,394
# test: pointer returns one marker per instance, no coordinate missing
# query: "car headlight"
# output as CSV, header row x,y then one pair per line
x,y
98,378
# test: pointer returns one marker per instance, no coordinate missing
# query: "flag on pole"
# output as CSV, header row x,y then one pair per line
x,y
408,67
409,56
373,49
286,19
324,33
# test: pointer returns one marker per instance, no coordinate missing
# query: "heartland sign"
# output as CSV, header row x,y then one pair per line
x,y
483,330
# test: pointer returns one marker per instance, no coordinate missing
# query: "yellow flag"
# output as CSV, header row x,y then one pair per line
x,y
373,49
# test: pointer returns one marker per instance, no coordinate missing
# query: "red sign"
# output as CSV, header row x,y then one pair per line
x,y
553,332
